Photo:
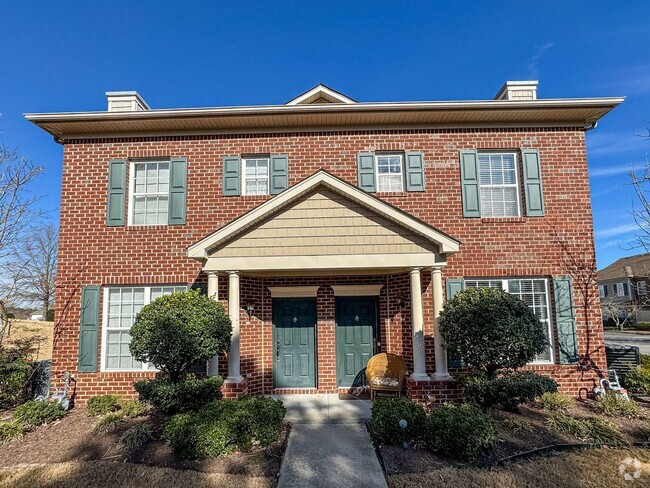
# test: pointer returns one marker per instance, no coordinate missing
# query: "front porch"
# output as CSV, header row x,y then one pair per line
x,y
319,279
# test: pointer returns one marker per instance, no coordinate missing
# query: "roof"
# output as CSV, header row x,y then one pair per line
x,y
202,249
324,109
638,265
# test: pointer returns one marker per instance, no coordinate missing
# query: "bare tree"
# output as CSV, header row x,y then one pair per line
x,y
17,214
619,310
35,267
640,179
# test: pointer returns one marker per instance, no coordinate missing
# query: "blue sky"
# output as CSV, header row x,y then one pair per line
x,y
63,56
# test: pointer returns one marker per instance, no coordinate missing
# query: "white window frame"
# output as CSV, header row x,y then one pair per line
x,y
267,158
401,173
132,194
504,287
601,291
517,183
619,289
105,329
642,288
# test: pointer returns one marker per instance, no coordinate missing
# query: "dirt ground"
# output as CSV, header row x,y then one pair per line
x,y
21,329
417,459
71,440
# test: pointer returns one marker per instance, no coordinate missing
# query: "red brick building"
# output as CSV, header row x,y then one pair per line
x,y
330,230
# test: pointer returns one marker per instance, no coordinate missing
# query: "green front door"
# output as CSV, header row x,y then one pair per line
x,y
356,326
294,323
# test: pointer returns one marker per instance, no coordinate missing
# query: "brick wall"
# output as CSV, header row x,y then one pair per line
x,y
93,254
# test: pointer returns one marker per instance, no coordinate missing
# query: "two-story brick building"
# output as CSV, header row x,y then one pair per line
x,y
330,229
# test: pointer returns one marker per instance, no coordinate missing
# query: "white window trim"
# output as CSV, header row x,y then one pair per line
x,y
620,289
642,288
601,291
104,325
243,174
132,194
401,158
504,286
517,184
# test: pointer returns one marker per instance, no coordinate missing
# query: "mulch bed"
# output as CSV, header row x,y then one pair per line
x,y
417,459
72,439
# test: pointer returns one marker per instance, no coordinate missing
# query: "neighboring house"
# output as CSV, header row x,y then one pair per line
x,y
36,317
627,280
330,229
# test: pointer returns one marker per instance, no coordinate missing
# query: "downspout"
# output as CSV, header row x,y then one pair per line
x,y
591,126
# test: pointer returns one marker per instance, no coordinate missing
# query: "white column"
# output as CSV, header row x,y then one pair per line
x,y
440,351
234,375
213,292
417,320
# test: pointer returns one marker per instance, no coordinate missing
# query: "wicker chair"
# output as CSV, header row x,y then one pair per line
x,y
385,372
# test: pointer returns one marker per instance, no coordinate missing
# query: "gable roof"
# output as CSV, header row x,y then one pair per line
x,y
201,249
628,267
320,94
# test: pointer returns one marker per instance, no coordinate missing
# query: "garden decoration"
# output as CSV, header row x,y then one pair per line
x,y
62,396
610,385
403,425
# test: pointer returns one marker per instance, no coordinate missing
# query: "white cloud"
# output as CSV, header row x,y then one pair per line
x,y
607,144
533,62
609,171
616,231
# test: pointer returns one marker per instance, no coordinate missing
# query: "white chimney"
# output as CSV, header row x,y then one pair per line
x,y
518,90
125,101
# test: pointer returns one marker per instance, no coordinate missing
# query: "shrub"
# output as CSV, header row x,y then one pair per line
x,y
15,371
510,389
643,326
637,380
461,432
34,413
491,329
614,405
169,397
645,361
11,430
135,437
49,316
175,331
556,401
107,423
133,408
591,429
224,426
103,404
517,425
385,416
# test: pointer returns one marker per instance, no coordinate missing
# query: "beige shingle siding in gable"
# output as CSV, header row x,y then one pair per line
x,y
323,223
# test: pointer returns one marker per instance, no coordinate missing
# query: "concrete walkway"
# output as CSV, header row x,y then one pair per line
x,y
329,444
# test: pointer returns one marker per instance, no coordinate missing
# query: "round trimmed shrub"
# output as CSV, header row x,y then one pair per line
x,y
460,431
34,413
386,414
491,329
509,389
103,404
170,397
178,330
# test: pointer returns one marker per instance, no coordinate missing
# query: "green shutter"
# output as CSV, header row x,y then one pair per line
x,y
279,173
532,183
89,329
469,180
453,286
231,176
565,320
366,172
177,191
414,171
116,192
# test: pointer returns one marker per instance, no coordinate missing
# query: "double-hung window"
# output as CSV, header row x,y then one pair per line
x,y
499,185
390,172
620,289
534,293
256,175
641,288
121,305
149,193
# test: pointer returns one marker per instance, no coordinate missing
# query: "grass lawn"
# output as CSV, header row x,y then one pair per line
x,y
123,475
21,329
593,468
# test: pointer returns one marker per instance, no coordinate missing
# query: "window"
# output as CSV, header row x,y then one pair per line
x,y
620,289
149,193
121,305
498,181
390,173
602,291
641,288
534,293
256,176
